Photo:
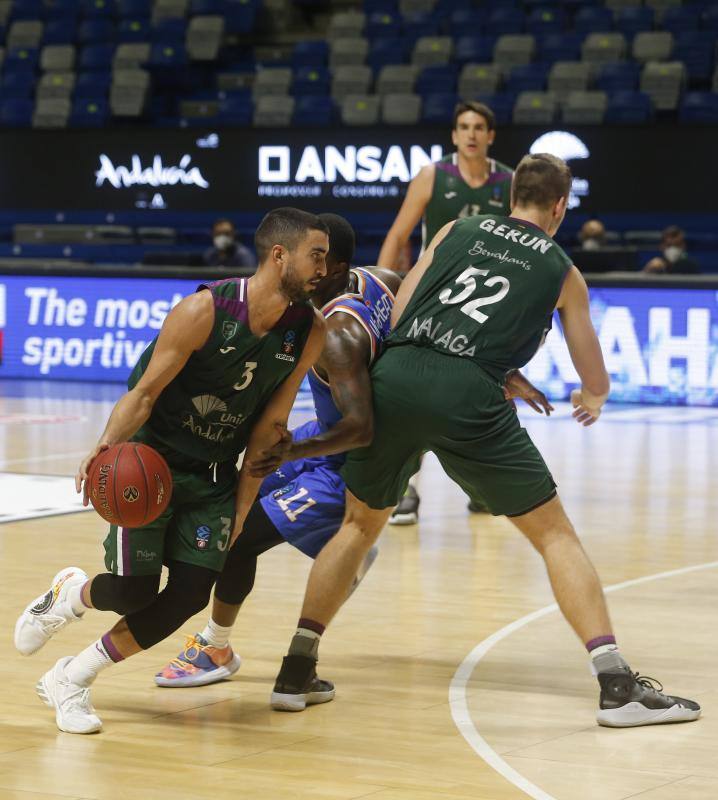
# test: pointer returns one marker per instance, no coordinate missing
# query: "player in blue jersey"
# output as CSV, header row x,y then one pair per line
x,y
302,502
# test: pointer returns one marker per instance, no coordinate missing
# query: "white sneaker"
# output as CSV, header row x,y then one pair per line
x,y
48,613
73,711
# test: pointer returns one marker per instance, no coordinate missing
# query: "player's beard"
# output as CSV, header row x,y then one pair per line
x,y
292,286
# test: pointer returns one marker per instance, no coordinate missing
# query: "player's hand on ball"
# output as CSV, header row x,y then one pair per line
x,y
84,469
517,385
273,457
585,414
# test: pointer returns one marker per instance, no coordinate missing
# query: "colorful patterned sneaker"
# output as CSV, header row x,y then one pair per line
x,y
297,685
73,711
48,613
629,699
199,664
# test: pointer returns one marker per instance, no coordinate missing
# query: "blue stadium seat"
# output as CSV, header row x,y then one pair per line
x,y
626,107
479,49
502,104
438,107
98,8
235,110
615,77
310,54
169,31
634,19
60,31
439,79
699,107
696,49
21,59
378,6
97,57
560,47
134,29
61,9
16,113
311,80
467,22
528,78
709,21
680,19
240,15
383,25
208,7
313,111
27,10
89,112
418,25
593,20
17,85
387,51
134,9
546,19
96,31
168,55
504,20
92,84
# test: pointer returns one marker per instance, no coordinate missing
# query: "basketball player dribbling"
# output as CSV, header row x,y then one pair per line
x,y
221,377
479,302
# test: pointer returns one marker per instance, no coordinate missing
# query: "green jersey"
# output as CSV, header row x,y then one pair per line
x,y
452,198
206,413
488,295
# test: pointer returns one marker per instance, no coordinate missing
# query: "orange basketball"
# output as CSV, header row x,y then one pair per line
x,y
129,484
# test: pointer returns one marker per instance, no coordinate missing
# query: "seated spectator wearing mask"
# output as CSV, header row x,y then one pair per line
x,y
592,235
674,260
227,251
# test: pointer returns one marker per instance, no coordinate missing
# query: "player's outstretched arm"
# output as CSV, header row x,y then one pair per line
x,y
584,349
271,426
417,198
344,363
186,329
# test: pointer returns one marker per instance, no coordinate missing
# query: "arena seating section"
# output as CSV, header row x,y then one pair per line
x,y
274,63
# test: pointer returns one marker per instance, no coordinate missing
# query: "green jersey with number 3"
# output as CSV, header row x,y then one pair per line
x,y
206,413
488,295
453,198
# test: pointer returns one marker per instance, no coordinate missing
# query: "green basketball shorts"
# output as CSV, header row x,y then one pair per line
x,y
195,528
428,401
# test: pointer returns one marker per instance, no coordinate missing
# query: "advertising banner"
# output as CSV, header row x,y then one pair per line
x,y
660,346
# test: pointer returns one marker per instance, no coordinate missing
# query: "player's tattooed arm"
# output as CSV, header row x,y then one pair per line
x,y
271,427
344,365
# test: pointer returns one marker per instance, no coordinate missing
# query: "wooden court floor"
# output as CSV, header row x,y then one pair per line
x,y
444,688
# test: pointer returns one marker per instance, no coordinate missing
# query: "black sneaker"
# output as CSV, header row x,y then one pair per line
x,y
407,512
629,699
297,685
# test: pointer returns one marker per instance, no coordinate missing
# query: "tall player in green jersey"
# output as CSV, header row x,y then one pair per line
x,y
478,303
463,184
221,376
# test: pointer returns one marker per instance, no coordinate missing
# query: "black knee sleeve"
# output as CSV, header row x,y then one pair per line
x,y
186,594
237,578
123,594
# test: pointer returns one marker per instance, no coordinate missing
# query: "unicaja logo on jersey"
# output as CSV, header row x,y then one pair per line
x,y
569,147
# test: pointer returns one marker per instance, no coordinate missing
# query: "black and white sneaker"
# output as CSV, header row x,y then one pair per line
x,y
407,512
297,685
629,699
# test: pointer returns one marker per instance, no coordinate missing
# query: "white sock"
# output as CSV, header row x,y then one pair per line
x,y
216,635
606,658
74,599
86,666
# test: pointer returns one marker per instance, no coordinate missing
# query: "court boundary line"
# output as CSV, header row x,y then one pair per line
x,y
457,689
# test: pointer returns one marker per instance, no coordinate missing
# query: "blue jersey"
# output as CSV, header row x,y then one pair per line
x,y
371,306
304,499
